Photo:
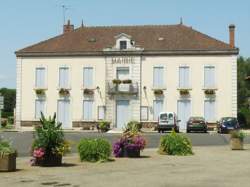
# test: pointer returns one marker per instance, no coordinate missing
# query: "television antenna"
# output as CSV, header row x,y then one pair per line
x,y
64,9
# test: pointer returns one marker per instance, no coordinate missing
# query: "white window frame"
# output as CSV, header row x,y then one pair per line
x,y
69,79
40,86
147,113
44,109
104,111
163,80
188,84
88,67
204,76
92,111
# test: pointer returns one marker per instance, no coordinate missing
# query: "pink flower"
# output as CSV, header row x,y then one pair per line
x,y
38,153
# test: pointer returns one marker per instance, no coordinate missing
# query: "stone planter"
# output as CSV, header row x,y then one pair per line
x,y
8,162
131,153
236,144
50,161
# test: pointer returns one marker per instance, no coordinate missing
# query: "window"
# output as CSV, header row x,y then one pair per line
x,y
123,45
39,107
101,112
209,77
122,73
184,77
144,113
64,77
158,77
40,77
158,108
88,77
209,110
87,110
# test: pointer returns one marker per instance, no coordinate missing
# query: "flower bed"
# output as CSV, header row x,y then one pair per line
x,y
49,145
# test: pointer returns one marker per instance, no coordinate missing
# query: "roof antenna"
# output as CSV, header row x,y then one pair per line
x,y
181,21
64,9
82,25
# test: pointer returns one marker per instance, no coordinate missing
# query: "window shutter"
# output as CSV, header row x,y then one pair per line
x,y
87,110
158,79
184,77
39,107
101,112
158,107
64,77
209,110
40,77
209,77
88,77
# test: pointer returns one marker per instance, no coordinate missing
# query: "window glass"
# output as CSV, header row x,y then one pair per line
x,y
158,107
209,110
144,113
158,77
101,112
87,110
123,45
39,107
209,77
88,77
64,77
184,77
40,77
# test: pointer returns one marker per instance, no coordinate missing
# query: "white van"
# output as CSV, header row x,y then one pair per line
x,y
167,121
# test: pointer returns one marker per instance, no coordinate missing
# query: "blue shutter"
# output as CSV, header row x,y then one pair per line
x,y
39,107
64,77
209,110
184,77
209,77
88,77
158,107
87,110
40,77
158,80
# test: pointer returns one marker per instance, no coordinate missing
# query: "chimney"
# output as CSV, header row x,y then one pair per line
x,y
232,35
68,28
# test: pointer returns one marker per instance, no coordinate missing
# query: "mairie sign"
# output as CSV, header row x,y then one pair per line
x,y
123,60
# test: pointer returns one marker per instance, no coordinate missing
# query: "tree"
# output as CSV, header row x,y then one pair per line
x,y
9,101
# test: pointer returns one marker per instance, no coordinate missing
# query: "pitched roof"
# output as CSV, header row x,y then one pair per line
x,y
95,39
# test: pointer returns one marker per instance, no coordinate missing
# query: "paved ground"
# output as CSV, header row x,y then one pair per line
x,y
22,140
210,166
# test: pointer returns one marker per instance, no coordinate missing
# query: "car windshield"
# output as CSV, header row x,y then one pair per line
x,y
196,119
164,116
229,121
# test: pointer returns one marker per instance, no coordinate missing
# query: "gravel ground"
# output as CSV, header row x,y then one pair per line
x,y
210,166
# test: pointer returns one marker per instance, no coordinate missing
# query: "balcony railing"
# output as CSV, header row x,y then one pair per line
x,y
131,88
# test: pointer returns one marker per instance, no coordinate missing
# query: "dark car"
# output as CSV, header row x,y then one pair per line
x,y
196,124
227,124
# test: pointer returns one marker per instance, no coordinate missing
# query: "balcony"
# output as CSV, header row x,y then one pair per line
x,y
123,88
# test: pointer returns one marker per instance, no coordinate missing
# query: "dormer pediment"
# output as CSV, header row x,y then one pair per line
x,y
122,35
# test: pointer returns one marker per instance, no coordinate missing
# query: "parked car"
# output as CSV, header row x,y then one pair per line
x,y
227,124
196,123
167,121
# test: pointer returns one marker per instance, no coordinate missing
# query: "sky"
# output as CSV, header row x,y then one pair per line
x,y
26,22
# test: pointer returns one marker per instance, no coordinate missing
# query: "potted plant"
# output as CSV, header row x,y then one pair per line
x,y
127,81
49,145
117,81
131,142
103,126
7,156
63,91
88,91
158,92
236,140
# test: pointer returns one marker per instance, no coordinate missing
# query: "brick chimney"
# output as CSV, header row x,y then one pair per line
x,y
232,35
68,28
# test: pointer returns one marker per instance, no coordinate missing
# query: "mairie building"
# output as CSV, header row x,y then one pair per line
x,y
123,73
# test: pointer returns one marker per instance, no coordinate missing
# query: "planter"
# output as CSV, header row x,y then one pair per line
x,y
63,92
236,144
50,161
184,92
209,92
8,162
158,92
127,81
88,91
131,153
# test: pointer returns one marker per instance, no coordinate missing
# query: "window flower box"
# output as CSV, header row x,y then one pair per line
x,y
117,81
209,91
184,91
40,91
158,92
63,91
127,81
88,91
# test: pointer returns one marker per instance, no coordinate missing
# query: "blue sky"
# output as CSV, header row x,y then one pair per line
x,y
25,22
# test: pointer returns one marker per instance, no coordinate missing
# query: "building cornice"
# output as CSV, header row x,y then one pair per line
x,y
234,51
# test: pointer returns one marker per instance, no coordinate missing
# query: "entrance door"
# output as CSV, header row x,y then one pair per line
x,y
122,113
184,112
63,113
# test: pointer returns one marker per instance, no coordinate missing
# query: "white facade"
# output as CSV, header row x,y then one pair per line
x,y
137,99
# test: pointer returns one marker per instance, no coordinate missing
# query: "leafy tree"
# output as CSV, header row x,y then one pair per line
x,y
9,101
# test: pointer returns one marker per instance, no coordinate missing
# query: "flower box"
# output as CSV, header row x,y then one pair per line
x,y
40,91
88,91
158,92
209,92
51,160
127,81
8,162
64,91
117,81
184,92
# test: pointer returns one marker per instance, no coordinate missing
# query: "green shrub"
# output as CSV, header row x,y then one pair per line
x,y
93,150
238,134
133,126
5,148
175,144
104,126
4,123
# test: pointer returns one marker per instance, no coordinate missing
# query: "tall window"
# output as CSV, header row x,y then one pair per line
x,y
184,77
158,77
40,77
158,107
64,77
101,112
209,77
144,113
123,45
88,77
87,110
209,110
39,107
